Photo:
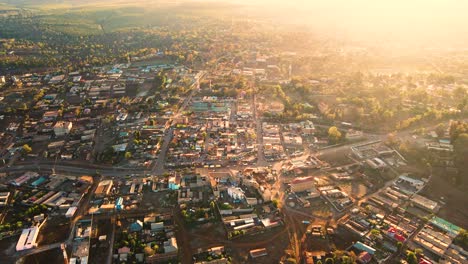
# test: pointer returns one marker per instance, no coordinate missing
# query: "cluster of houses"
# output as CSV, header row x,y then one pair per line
x,y
155,233
67,112
60,192
399,215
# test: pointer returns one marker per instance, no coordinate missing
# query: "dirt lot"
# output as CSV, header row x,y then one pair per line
x,y
55,230
456,208
343,238
205,235
163,199
355,189
54,256
275,241
337,157
7,248
99,250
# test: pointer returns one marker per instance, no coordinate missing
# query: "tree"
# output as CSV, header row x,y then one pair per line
x,y
346,260
275,203
459,92
148,251
462,238
392,140
399,245
128,155
375,232
411,258
27,148
329,261
440,129
291,261
334,135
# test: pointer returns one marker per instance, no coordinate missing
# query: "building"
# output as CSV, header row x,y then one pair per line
x,y
259,252
170,246
136,226
71,212
433,240
363,247
174,182
2,79
24,178
28,239
104,188
4,198
308,127
157,226
302,184
354,134
425,204
236,193
119,203
62,128
364,257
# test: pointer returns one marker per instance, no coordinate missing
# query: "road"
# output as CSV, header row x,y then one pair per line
x,y
158,165
261,161
83,169
111,243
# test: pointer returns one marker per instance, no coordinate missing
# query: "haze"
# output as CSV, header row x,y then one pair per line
x,y
427,22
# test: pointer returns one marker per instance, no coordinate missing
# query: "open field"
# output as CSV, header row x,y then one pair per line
x,y
455,209
53,256
91,17
53,231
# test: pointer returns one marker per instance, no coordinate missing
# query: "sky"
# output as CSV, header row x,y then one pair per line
x,y
411,20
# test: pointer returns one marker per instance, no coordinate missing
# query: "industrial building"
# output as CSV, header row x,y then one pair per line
x,y
28,239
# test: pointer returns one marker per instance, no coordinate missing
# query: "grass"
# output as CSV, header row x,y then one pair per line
x,y
85,17
6,7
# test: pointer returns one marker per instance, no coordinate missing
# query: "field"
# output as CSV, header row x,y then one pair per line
x,y
455,209
55,230
53,256
91,17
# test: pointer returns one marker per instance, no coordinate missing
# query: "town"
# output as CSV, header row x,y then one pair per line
x,y
231,153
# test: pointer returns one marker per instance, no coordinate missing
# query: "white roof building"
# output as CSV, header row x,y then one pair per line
x,y
28,239
236,193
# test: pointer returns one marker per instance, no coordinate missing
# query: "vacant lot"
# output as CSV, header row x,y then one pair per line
x,y
55,230
53,256
455,209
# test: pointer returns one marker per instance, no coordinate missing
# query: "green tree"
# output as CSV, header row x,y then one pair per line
x,y
128,155
399,245
346,260
329,261
156,248
411,258
462,238
375,232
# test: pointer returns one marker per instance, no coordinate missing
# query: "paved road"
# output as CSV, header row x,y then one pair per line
x,y
261,161
111,243
75,169
158,166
